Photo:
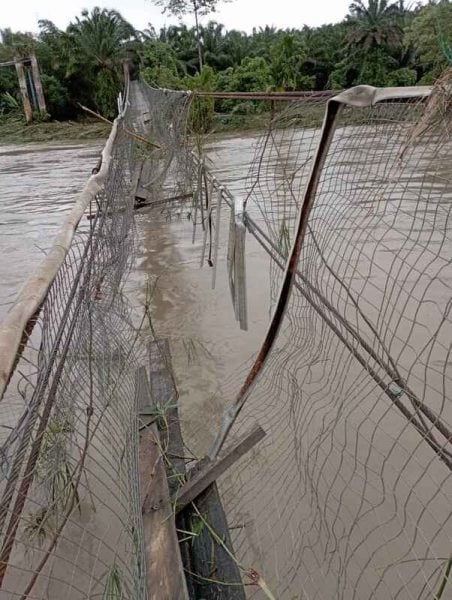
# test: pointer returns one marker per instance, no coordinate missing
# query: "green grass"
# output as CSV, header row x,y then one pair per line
x,y
13,130
301,116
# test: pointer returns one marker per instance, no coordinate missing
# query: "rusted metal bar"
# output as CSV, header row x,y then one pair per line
x,y
333,108
271,96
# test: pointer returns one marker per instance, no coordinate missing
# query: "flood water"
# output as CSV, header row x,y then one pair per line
x,y
38,186
322,487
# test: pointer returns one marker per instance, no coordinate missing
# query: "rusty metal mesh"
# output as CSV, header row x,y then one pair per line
x,y
348,495
70,516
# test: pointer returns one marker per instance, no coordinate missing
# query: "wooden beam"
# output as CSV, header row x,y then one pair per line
x,y
141,193
141,203
165,576
23,90
38,85
203,557
162,382
209,471
213,573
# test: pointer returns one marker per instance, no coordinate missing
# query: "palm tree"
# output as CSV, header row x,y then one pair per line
x,y
16,44
375,24
214,46
236,46
101,41
184,42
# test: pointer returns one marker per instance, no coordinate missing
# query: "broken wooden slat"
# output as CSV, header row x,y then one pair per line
x,y
213,573
197,553
211,471
141,193
162,379
165,577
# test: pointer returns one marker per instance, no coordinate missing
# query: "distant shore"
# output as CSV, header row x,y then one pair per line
x,y
14,131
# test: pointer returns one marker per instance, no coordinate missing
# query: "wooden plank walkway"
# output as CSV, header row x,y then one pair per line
x,y
164,570
200,563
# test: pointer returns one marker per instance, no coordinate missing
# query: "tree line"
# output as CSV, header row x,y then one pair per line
x,y
379,43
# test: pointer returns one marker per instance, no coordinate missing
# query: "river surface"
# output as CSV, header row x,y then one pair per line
x,y
39,184
342,499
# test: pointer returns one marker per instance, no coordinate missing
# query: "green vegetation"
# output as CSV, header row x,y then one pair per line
x,y
379,42
14,131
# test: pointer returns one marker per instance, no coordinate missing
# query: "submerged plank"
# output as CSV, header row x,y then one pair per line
x,y
203,557
142,193
164,571
163,386
214,574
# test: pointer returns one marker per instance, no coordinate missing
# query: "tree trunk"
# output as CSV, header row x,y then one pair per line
x,y
23,90
198,36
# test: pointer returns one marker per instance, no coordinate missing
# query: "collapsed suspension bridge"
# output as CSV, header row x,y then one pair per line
x,y
323,469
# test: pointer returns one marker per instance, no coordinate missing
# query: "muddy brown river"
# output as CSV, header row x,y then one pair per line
x,y
37,190
281,511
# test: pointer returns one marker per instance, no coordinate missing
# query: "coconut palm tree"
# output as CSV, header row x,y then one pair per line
x,y
214,46
374,24
16,44
101,41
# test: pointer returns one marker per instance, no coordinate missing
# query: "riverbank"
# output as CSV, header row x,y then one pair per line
x,y
14,131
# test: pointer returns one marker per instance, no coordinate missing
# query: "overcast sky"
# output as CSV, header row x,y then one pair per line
x,y
240,14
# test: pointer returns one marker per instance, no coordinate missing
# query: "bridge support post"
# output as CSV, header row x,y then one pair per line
x,y
38,84
23,90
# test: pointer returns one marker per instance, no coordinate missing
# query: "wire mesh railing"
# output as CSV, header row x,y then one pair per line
x,y
351,383
70,517
348,495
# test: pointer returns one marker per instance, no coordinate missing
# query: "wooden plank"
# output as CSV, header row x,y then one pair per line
x,y
136,177
23,90
164,570
162,386
211,471
38,84
202,556
141,193
213,573
140,204
163,382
